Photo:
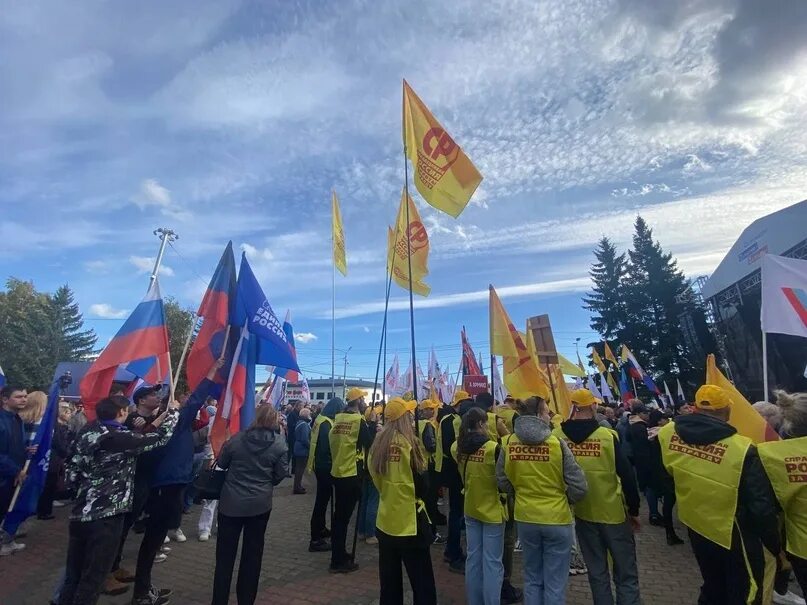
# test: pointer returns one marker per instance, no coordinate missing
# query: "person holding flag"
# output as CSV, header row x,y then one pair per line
x,y
12,457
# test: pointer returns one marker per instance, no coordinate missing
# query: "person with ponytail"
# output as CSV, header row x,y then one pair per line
x,y
397,463
785,463
485,509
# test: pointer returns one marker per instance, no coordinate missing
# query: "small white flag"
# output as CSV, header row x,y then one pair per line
x,y
784,295
606,390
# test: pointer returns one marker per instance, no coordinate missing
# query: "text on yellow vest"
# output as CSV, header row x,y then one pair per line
x,y
344,440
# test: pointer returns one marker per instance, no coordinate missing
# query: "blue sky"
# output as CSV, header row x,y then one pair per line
x,y
233,120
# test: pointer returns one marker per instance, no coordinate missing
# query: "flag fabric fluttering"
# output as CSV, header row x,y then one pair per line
x,y
278,393
569,368
784,295
31,488
592,386
236,411
743,416
288,330
609,355
605,389
581,367
470,366
2,377
443,174
595,357
521,376
405,384
681,397
499,392
215,310
669,401
434,366
636,370
564,398
448,386
578,383
305,392
392,379
423,387
624,386
141,344
339,252
398,251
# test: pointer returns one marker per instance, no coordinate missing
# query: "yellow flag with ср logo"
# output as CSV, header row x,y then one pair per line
x,y
743,416
521,376
399,250
339,257
444,175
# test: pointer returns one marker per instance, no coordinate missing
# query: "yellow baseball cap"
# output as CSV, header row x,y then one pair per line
x,y
712,397
373,408
397,407
460,396
583,398
354,393
429,404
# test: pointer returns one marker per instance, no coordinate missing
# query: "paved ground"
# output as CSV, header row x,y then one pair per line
x,y
293,575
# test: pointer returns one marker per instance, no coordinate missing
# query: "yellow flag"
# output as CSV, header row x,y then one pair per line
x,y
520,376
339,258
418,247
743,416
624,354
597,360
564,398
569,367
444,175
609,354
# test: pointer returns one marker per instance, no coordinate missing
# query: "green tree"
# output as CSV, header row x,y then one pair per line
x,y
72,343
178,320
606,301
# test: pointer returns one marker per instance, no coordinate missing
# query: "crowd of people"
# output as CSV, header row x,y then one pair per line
x,y
510,477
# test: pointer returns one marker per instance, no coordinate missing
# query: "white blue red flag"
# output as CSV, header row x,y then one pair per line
x,y
285,373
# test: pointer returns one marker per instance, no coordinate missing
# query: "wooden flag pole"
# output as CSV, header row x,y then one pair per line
x,y
185,348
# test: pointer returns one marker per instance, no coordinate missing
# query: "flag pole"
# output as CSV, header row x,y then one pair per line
x,y
411,297
194,319
333,315
765,365
383,343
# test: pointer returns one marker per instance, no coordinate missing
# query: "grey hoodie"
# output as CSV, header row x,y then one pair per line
x,y
533,430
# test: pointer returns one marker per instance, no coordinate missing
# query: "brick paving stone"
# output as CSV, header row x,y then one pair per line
x,y
292,575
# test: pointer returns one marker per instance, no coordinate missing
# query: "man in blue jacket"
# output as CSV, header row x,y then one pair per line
x,y
12,457
173,470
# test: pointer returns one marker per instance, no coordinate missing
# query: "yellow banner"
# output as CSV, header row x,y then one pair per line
x,y
569,367
597,360
743,416
609,355
339,257
444,175
563,404
418,246
521,376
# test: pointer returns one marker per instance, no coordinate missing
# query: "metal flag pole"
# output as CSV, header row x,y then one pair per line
x,y
411,297
383,344
333,317
166,236
765,365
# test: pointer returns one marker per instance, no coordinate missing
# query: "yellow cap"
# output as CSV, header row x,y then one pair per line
x,y
397,407
430,404
354,394
373,408
711,397
583,398
460,396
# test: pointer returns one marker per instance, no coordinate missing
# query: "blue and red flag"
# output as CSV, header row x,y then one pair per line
x,y
286,374
215,310
637,371
470,366
141,344
624,388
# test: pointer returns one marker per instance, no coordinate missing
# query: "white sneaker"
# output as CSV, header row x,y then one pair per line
x,y
167,540
789,598
11,548
165,549
204,536
58,504
517,546
160,557
176,535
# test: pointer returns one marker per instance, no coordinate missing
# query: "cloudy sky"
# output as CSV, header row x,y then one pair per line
x,y
233,120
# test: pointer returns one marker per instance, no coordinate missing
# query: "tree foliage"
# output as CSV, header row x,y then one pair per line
x,y
38,330
607,301
178,320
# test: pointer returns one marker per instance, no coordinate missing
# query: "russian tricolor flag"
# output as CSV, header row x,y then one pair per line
x,y
286,374
141,343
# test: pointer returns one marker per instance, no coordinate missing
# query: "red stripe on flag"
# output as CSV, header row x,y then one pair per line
x,y
796,303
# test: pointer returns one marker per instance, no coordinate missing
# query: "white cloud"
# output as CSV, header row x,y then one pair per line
x,y
151,193
96,266
145,264
105,311
305,337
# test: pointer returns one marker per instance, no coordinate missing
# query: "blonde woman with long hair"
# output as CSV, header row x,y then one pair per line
x,y
397,464
31,415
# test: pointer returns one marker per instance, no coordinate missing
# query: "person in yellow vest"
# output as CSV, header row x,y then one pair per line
x,y
601,524
785,463
507,413
485,509
542,472
450,478
397,464
350,438
368,504
427,431
724,498
319,463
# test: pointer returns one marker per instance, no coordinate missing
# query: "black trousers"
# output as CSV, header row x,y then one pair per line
x,y
44,505
6,496
347,493
165,512
432,485
140,494
299,468
418,564
799,570
456,515
249,567
324,493
726,579
90,551
667,504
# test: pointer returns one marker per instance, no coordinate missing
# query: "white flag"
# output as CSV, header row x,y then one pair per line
x,y
578,383
405,384
681,397
592,386
447,387
278,393
392,378
434,367
499,392
305,392
784,295
668,394
606,390
423,386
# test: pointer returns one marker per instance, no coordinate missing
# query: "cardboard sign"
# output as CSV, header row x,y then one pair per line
x,y
475,384
544,341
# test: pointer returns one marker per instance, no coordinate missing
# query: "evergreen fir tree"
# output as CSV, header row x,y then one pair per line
x,y
607,299
71,342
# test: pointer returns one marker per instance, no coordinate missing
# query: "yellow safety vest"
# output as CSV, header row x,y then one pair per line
x,y
506,414
785,463
483,501
397,504
536,472
421,428
596,455
441,453
312,447
493,433
344,440
707,479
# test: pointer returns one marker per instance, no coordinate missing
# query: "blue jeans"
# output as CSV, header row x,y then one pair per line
x,y
483,567
652,501
547,554
368,509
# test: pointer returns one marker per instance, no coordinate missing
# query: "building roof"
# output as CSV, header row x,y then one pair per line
x,y
775,233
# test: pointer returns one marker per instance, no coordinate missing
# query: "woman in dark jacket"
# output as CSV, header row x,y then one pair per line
x,y
255,461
